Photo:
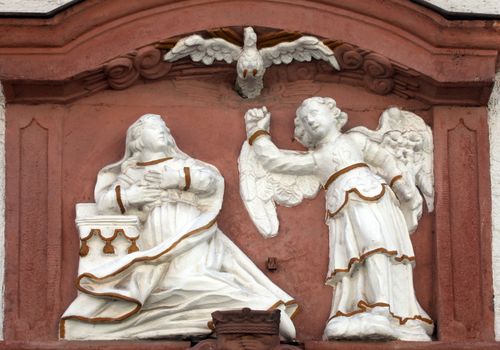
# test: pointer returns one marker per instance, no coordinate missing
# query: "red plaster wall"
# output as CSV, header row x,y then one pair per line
x,y
55,151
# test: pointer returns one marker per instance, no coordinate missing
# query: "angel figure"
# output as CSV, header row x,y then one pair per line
x,y
185,269
251,62
372,204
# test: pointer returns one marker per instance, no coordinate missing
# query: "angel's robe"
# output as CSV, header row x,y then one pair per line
x,y
185,270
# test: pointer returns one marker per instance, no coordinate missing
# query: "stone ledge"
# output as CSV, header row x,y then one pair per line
x,y
182,345
95,345
399,345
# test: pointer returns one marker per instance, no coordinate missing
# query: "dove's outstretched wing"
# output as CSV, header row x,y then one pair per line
x,y
303,49
408,138
204,50
261,190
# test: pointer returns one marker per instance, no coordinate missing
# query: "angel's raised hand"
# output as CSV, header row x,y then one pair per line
x,y
265,120
257,118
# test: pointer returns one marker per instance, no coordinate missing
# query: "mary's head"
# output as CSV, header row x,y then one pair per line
x,y
150,133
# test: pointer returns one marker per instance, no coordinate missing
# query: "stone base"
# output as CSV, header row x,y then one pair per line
x,y
399,345
183,345
95,345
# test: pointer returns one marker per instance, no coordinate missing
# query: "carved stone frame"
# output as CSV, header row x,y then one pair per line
x,y
396,47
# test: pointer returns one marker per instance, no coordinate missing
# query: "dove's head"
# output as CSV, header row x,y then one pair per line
x,y
249,37
317,118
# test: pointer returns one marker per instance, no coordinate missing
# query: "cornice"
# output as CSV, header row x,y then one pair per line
x,y
95,31
359,67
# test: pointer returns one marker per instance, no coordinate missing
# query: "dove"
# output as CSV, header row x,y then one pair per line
x,y
251,63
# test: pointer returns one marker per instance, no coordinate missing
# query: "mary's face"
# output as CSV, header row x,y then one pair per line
x,y
317,119
156,137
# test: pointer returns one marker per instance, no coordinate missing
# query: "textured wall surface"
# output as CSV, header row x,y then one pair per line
x,y
494,124
2,203
35,6
468,6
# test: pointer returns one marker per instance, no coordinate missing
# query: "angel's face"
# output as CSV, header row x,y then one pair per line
x,y
317,119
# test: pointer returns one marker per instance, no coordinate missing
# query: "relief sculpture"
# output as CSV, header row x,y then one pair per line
x,y
251,63
372,207
153,263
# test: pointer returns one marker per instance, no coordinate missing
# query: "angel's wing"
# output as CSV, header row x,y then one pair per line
x,y
262,190
204,50
303,49
409,139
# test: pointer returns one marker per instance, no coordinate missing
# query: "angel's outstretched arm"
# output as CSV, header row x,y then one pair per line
x,y
271,157
281,161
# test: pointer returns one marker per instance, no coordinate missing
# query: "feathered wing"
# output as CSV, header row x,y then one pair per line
x,y
261,190
409,139
204,50
303,49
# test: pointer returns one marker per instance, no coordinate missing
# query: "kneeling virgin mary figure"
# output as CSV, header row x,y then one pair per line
x,y
185,269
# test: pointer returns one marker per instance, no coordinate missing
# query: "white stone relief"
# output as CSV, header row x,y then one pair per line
x,y
372,202
31,6
251,62
153,263
104,238
2,206
494,128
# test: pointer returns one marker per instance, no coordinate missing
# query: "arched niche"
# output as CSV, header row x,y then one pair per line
x,y
76,81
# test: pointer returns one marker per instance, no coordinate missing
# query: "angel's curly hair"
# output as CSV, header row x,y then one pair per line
x,y
300,132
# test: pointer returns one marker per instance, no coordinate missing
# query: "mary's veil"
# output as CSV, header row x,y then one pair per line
x,y
107,176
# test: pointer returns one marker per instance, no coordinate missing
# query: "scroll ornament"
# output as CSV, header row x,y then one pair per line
x,y
123,72
378,70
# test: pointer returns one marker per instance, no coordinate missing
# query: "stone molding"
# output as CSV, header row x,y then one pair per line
x,y
68,43
2,206
494,125
359,67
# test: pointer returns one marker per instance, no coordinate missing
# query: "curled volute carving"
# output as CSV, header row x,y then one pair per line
x,y
378,70
379,73
377,66
348,57
121,73
149,62
124,71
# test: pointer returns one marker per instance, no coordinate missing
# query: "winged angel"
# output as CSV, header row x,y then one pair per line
x,y
251,62
372,201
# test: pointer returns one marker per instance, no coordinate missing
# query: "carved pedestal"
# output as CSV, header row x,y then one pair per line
x,y
245,329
